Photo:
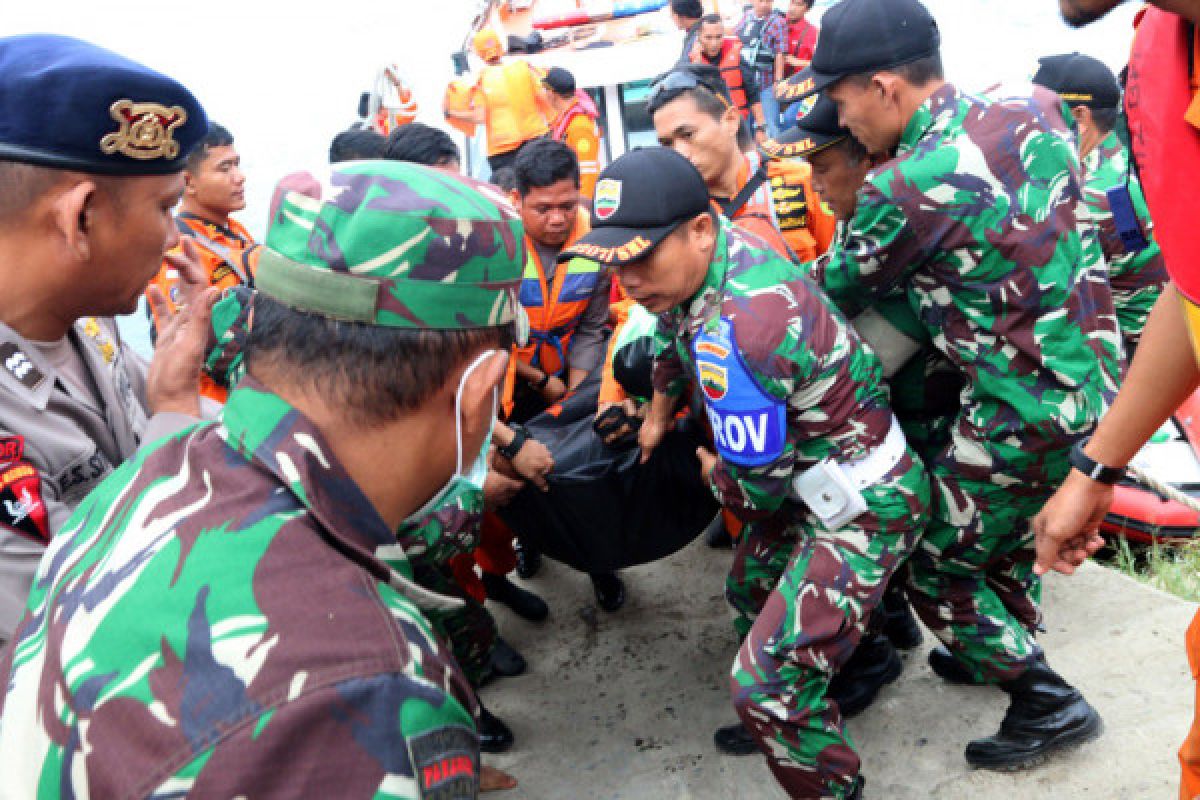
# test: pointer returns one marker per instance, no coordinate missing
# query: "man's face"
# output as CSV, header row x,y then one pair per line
x,y
130,228
710,38
867,110
837,178
708,143
763,7
1078,13
218,184
549,212
796,10
674,271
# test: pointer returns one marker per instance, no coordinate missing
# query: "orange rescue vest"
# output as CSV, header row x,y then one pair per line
x,y
730,65
555,310
515,111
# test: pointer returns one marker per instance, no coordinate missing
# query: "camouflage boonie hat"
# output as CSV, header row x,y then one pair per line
x,y
396,245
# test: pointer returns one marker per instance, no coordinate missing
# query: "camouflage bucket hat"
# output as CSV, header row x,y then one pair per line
x,y
396,245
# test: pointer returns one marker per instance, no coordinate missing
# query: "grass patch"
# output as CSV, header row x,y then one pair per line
x,y
1173,568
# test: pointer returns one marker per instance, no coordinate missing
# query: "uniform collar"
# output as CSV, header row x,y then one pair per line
x,y
264,428
1107,148
709,294
935,113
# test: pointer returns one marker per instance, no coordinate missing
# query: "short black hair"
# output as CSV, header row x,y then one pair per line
x,y
217,136
688,9
545,162
356,144
921,72
1105,118
712,19
853,149
505,178
373,373
421,144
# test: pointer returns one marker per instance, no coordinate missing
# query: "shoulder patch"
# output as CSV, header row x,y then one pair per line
x,y
749,425
20,367
446,763
21,506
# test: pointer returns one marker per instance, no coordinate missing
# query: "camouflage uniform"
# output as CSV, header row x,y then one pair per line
x,y
216,619
428,545
1137,278
801,593
977,220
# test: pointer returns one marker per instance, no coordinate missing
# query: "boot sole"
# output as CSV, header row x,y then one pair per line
x,y
1092,730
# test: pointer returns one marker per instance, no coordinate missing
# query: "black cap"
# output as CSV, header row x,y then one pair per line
x,y
68,104
1079,80
560,81
817,130
865,36
640,199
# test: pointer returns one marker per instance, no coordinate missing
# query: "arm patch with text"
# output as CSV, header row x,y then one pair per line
x,y
749,425
21,505
445,763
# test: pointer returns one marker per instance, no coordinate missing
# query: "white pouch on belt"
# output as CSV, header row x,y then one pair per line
x,y
830,494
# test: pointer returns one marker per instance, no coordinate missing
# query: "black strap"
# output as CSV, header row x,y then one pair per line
x,y
732,206
510,450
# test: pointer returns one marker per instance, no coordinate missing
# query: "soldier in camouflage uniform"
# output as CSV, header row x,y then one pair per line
x,y
230,613
799,416
977,219
1113,198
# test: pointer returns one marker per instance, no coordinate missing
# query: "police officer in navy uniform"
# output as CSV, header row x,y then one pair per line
x,y
92,148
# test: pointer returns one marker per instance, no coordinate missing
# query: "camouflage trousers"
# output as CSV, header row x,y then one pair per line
x,y
469,631
971,579
801,597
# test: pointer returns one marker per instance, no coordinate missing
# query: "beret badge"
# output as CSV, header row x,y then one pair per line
x,y
147,130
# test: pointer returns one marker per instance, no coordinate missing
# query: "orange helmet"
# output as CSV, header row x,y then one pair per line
x,y
487,45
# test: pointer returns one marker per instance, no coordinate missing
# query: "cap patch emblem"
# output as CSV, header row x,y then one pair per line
x,y
608,198
147,130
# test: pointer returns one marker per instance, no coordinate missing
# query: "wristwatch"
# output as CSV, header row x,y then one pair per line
x,y
1092,468
539,385
510,450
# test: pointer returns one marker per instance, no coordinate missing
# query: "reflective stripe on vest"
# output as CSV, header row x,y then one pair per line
x,y
229,257
552,322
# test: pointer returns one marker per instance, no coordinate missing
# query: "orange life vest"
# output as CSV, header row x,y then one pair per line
x,y
784,211
515,110
555,310
576,128
730,65
228,254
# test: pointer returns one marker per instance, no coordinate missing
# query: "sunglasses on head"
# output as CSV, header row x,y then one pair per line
x,y
674,83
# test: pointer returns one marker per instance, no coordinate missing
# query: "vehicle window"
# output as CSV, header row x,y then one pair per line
x,y
639,129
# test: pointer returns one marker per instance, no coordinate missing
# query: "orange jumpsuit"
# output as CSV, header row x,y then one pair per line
x,y
228,254
514,106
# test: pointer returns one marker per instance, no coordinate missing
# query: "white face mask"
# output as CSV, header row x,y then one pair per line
x,y
476,474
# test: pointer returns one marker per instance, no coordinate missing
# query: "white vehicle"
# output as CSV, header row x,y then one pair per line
x,y
614,48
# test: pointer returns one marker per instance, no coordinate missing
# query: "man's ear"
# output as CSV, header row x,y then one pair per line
x,y
1082,115
480,389
73,216
702,230
514,197
887,85
189,184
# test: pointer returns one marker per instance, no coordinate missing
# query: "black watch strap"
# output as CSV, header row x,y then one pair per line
x,y
520,436
539,385
1092,468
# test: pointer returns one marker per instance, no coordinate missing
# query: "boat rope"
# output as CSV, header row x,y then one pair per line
x,y
1165,489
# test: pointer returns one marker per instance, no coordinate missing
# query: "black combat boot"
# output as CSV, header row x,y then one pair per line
x,y
735,740
529,560
899,622
609,590
874,664
524,604
494,735
506,661
856,791
1045,714
716,535
950,669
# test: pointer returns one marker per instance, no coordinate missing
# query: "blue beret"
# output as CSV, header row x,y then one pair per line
x,y
69,104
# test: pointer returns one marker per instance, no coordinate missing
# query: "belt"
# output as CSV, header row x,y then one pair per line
x,y
875,465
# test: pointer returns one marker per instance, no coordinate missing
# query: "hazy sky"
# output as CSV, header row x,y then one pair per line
x,y
285,77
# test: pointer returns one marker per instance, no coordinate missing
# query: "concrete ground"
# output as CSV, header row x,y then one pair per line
x,y
624,705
